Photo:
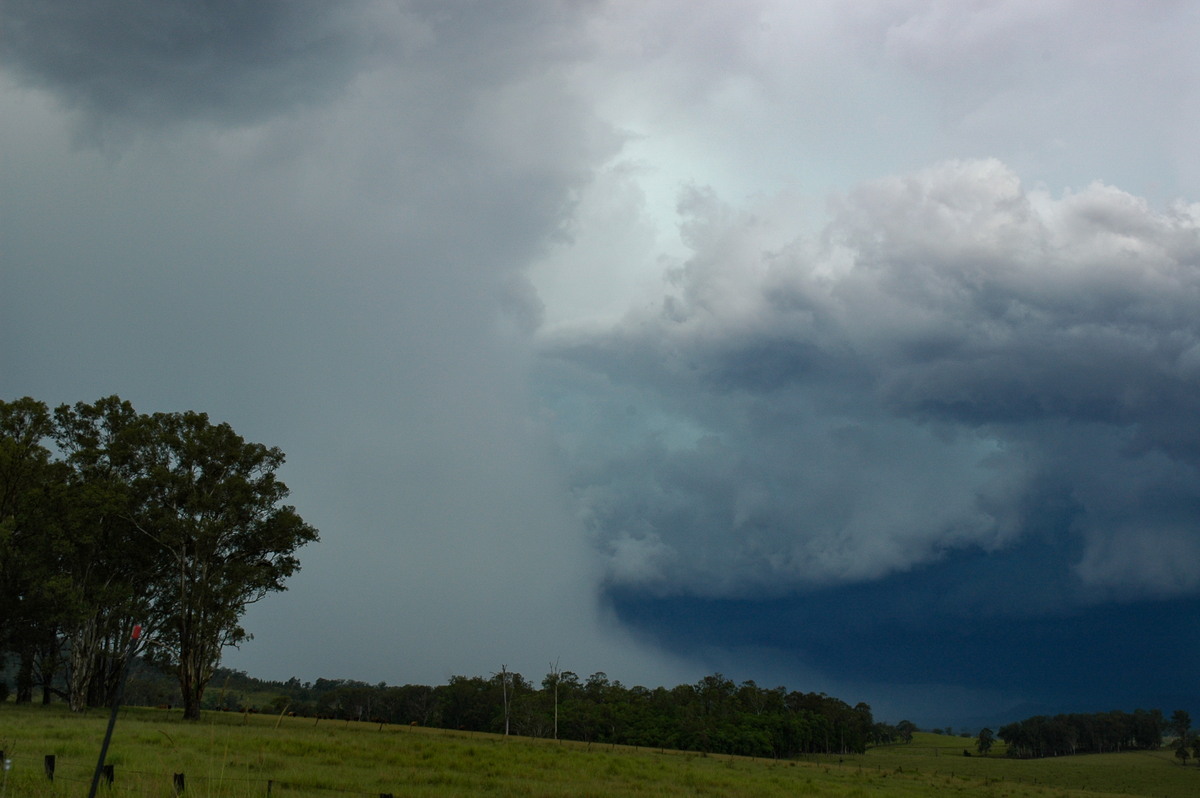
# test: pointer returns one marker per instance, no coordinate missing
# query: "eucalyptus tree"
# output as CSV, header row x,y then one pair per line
x,y
70,570
212,506
551,682
505,678
27,477
1180,723
166,520
105,571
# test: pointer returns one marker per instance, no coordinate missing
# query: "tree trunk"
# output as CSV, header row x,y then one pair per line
x,y
194,673
191,705
191,689
25,676
49,663
84,645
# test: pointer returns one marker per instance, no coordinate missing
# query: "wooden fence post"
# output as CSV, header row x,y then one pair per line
x,y
112,718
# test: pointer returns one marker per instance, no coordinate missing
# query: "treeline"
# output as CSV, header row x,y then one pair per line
x,y
113,520
714,715
1101,732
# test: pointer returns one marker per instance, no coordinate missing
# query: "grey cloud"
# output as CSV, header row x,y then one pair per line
x,y
235,62
862,404
342,280
318,225
1029,308
161,61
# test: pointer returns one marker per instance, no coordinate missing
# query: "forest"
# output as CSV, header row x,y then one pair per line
x,y
714,715
1104,732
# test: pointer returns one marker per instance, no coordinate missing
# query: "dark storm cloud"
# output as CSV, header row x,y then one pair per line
x,y
949,441
1007,622
1096,659
325,222
314,229
955,364
158,61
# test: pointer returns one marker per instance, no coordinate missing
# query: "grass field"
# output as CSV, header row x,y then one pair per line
x,y
237,755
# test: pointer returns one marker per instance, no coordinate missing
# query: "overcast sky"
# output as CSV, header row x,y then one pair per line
x,y
853,347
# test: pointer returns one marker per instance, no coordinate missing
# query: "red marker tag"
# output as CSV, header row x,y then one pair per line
x,y
137,631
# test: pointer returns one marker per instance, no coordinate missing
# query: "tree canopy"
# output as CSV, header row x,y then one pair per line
x,y
714,715
109,517
1101,732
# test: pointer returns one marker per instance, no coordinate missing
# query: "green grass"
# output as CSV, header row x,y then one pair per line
x,y
229,755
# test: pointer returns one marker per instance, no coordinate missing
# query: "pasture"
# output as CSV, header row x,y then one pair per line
x,y
229,755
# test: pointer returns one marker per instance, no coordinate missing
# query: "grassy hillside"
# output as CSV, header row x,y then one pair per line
x,y
239,755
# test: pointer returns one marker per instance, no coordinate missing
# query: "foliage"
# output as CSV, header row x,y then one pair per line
x,y
110,518
984,741
1180,723
30,609
1043,736
715,715
211,503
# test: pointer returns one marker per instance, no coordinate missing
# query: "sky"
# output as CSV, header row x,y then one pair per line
x,y
851,347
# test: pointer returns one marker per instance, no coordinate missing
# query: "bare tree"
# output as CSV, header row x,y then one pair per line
x,y
555,675
505,689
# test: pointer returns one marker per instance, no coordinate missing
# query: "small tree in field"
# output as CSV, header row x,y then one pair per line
x,y
984,741
552,679
1180,722
505,678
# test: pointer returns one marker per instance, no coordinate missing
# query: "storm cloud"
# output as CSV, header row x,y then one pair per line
x,y
161,62
334,267
952,357
851,347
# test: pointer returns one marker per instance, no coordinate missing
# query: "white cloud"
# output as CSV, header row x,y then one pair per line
x,y
885,393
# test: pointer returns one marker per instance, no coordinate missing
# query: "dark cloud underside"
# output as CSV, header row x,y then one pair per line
x,y
935,627
159,61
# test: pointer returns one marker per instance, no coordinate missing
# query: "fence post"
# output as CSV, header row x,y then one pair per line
x,y
112,718
179,784
49,766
